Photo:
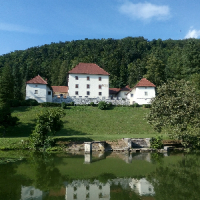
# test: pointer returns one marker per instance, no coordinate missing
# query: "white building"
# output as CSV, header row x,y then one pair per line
x,y
88,80
38,89
142,93
88,191
142,187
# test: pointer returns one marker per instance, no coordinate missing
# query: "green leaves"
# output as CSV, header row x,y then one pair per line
x,y
176,110
47,123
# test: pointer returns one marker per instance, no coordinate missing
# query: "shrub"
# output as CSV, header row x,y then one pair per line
x,y
49,104
146,105
15,103
48,123
102,105
92,104
156,142
63,105
136,105
29,102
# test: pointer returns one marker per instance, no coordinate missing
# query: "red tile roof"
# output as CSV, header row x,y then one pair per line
x,y
88,68
37,80
114,90
144,83
127,88
60,89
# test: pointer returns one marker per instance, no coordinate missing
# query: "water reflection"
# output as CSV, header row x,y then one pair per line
x,y
108,176
85,190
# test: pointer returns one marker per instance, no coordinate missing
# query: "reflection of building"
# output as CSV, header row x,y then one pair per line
x,y
87,191
28,193
142,187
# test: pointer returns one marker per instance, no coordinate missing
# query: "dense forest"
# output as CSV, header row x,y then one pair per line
x,y
127,60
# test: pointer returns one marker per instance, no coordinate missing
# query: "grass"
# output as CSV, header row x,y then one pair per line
x,y
85,123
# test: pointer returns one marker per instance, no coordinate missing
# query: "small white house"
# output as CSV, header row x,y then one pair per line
x,y
38,89
88,80
142,93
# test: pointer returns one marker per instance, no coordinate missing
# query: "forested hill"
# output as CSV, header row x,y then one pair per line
x,y
127,60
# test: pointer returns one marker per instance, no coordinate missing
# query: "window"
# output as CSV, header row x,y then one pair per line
x,y
88,86
76,77
99,78
146,93
76,93
100,86
49,92
76,86
131,95
88,78
35,85
36,91
88,92
100,93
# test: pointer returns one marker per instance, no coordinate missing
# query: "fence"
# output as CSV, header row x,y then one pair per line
x,y
86,100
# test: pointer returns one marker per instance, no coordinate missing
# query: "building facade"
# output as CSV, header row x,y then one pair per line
x,y
38,89
88,80
142,93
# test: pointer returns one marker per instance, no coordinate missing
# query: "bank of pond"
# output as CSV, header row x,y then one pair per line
x,y
99,175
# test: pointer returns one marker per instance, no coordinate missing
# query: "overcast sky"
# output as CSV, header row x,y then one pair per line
x,y
28,23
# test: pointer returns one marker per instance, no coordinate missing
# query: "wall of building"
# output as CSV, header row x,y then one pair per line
x,y
142,95
94,83
39,92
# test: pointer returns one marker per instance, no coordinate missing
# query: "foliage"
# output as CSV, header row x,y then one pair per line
x,y
146,105
127,60
63,105
48,123
6,119
102,105
49,104
6,84
156,142
178,180
176,109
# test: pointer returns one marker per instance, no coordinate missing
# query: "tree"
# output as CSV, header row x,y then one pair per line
x,y
176,109
47,123
6,84
6,119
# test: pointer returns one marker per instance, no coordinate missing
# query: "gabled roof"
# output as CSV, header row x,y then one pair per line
x,y
126,88
88,68
60,89
37,80
114,90
144,83
117,90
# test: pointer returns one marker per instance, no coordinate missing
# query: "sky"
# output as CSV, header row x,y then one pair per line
x,y
29,23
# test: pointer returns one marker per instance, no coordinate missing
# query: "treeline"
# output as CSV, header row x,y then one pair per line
x,y
127,60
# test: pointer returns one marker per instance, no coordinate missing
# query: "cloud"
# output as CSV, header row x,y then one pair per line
x,y
193,33
145,11
16,28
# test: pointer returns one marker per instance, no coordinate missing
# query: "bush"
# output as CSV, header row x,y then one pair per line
x,y
156,142
92,104
15,103
63,105
102,105
146,105
49,104
29,102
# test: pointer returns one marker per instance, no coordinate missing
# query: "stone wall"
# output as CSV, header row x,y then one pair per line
x,y
86,100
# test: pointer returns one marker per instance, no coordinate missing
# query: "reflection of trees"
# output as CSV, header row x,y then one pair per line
x,y
47,176
118,193
180,181
10,182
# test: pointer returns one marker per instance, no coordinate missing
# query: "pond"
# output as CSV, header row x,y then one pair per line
x,y
98,176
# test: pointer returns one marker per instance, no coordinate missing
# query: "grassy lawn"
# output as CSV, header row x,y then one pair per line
x,y
87,123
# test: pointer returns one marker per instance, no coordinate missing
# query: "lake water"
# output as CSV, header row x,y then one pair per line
x,y
111,176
